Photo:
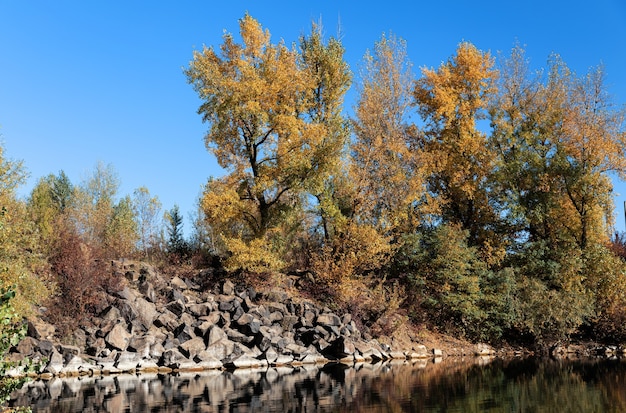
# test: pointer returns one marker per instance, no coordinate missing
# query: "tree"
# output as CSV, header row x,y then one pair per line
x,y
384,167
176,244
49,203
147,210
20,252
94,201
452,100
272,113
121,234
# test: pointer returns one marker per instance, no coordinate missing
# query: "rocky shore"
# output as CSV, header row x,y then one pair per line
x,y
156,324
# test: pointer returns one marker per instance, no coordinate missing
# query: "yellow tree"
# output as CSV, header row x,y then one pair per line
x,y
270,112
384,166
452,100
593,145
22,266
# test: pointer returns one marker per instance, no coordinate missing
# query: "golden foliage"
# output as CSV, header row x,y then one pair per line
x,y
275,125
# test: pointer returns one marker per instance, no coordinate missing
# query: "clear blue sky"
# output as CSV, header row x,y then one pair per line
x,y
89,81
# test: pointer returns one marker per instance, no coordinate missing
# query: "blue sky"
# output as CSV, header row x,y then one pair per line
x,y
89,81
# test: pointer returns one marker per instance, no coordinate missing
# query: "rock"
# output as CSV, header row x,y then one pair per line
x,y
437,352
184,332
192,347
216,334
178,283
228,288
339,349
26,347
45,348
167,320
245,361
172,357
199,310
55,363
146,312
73,366
220,350
126,294
238,337
40,330
67,351
127,361
141,345
147,289
176,307
270,355
118,337
483,350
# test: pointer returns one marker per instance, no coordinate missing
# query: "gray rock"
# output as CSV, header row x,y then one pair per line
x,y
127,361
199,310
176,307
118,337
192,347
147,289
55,363
245,361
146,311
167,320
216,334
171,357
141,344
228,288
178,283
328,320
220,350
40,330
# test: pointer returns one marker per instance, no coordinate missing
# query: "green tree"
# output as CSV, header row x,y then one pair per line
x,y
176,244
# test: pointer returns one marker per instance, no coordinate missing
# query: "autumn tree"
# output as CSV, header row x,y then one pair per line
x,y
49,204
452,100
373,196
101,220
556,140
147,209
22,267
270,114
384,166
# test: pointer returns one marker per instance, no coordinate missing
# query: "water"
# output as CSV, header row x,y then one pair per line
x,y
469,385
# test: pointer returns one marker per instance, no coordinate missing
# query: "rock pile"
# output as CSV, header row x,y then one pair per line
x,y
160,325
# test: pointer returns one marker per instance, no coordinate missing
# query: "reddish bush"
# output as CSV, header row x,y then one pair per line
x,y
82,279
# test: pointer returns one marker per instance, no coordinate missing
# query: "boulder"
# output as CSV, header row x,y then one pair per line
x,y
178,284
176,307
146,312
127,361
192,347
118,338
172,357
40,330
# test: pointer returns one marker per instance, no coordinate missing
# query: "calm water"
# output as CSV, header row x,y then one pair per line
x,y
450,386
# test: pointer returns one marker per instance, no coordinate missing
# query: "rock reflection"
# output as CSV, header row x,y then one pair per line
x,y
453,385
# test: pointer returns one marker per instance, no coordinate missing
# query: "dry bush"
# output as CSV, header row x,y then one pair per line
x,y
82,280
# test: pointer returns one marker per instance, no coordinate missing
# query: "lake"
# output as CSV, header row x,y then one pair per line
x,y
451,385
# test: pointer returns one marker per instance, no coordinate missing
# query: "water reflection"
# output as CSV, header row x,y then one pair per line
x,y
453,385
